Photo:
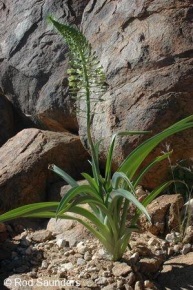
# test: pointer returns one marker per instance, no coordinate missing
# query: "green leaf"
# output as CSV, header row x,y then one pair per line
x,y
131,164
29,209
129,196
71,181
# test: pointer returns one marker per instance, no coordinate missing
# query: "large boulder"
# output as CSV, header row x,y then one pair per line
x,y
33,61
145,48
24,159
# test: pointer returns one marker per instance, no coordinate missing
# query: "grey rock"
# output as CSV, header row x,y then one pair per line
x,y
37,85
186,249
145,49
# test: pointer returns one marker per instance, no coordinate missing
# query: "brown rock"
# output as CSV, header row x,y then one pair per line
x,y
146,51
177,273
24,161
121,269
41,236
164,213
150,265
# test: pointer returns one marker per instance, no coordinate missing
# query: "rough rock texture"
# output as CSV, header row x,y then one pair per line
x,y
24,161
33,60
165,214
146,49
177,273
6,120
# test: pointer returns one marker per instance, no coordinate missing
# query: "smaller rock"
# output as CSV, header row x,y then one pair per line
x,y
80,261
172,237
150,265
81,248
186,249
101,281
134,258
138,285
121,269
112,286
87,256
170,251
61,243
67,266
131,279
44,265
41,236
120,284
177,248
188,235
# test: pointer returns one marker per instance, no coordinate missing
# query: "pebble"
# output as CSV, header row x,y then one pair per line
x,y
131,279
186,249
67,266
80,261
177,248
61,243
121,269
172,237
87,256
101,281
134,258
138,285
44,264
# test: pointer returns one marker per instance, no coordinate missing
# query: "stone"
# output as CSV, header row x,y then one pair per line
x,y
172,237
164,213
37,85
186,249
150,265
6,119
176,273
81,261
61,243
41,236
145,49
131,279
121,269
24,160
138,285
66,266
101,281
110,287
188,238
81,248
69,230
